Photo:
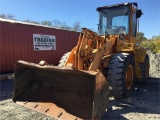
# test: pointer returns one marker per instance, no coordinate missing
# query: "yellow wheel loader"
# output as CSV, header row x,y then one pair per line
x,y
78,88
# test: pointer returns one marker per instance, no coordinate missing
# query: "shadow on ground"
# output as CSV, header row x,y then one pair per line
x,y
144,99
6,89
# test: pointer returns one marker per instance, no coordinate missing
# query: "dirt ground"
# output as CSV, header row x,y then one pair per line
x,y
143,104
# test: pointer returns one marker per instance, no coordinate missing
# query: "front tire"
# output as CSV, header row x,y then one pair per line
x,y
121,75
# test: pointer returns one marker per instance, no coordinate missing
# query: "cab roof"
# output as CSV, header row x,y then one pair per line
x,y
117,5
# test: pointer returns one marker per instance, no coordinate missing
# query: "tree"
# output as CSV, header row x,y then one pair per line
x,y
76,26
153,44
3,16
68,28
56,23
8,16
140,37
48,23
29,21
63,25
26,21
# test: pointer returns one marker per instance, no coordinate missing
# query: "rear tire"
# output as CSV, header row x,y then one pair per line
x,y
144,70
120,75
64,59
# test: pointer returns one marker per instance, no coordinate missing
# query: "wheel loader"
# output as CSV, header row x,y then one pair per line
x,y
78,88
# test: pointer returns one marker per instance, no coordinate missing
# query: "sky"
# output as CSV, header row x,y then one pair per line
x,y
83,11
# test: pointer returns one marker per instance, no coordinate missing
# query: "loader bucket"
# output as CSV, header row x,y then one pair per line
x,y
60,92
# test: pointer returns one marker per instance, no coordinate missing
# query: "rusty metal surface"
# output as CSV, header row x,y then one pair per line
x,y
50,109
59,92
16,43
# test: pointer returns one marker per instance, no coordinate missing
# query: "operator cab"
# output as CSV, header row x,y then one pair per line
x,y
115,19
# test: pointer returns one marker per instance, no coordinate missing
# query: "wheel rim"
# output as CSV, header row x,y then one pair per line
x,y
147,70
129,77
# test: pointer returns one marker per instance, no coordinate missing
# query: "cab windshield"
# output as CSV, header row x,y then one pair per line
x,y
114,20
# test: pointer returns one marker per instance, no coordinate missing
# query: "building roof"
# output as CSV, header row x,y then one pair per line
x,y
28,23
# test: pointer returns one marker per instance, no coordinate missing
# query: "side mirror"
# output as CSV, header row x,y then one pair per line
x,y
139,13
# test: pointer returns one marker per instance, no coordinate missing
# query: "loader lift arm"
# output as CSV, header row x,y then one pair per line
x,y
90,50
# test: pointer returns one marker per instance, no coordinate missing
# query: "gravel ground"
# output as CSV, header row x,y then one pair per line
x,y
154,64
12,111
143,104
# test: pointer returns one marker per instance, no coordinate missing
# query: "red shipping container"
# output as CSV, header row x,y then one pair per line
x,y
16,43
